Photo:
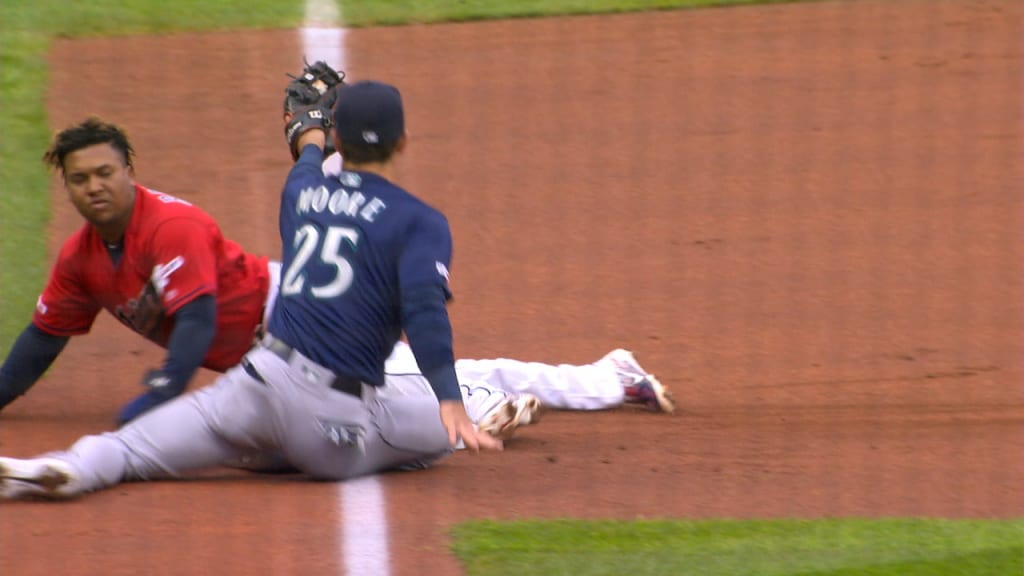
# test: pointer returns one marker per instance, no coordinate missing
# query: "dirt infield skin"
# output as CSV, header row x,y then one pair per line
x,y
806,219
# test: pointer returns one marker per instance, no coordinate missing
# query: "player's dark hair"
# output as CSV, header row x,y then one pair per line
x,y
89,133
367,153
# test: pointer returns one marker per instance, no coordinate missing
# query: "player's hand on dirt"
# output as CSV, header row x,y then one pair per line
x,y
458,425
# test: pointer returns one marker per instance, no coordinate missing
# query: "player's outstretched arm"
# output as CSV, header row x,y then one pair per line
x,y
32,354
428,328
194,329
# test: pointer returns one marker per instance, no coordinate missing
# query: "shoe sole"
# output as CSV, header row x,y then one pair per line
x,y
665,401
16,480
524,411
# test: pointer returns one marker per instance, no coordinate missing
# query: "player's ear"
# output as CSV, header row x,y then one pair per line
x,y
402,142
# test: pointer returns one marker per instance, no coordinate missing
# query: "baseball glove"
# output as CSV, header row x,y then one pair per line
x,y
309,98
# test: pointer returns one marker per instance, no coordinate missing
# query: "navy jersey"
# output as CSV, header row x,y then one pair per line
x,y
352,244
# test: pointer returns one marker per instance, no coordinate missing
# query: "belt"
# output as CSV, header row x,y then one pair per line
x,y
282,350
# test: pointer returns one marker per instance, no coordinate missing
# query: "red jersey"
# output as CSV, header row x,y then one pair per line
x,y
172,253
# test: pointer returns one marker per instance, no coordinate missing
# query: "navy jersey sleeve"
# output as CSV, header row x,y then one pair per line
x,y
423,278
427,255
306,173
310,161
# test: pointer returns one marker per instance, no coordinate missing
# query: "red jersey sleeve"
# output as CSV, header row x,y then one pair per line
x,y
185,252
66,308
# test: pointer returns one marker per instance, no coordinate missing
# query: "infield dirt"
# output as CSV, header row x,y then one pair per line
x,y
806,219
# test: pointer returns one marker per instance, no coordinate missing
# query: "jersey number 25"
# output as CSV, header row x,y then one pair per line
x,y
307,240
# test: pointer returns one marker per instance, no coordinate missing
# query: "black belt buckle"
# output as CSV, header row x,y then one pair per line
x,y
348,385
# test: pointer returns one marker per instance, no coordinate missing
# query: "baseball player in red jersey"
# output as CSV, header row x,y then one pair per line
x,y
171,254
159,264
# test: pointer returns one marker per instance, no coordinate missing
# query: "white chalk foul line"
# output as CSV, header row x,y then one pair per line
x,y
364,526
364,520
322,35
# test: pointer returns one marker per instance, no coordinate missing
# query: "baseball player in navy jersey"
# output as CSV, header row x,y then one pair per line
x,y
363,261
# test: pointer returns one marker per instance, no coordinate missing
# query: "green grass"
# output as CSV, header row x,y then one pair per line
x,y
388,12
24,192
834,547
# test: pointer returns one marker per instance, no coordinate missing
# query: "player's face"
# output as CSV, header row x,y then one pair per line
x,y
101,185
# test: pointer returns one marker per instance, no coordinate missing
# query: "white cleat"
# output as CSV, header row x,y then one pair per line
x,y
37,478
641,387
514,411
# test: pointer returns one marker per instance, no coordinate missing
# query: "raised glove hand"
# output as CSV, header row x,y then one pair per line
x,y
308,101
303,121
314,86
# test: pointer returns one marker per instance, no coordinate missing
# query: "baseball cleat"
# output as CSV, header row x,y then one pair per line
x,y
640,386
514,411
38,477
651,393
